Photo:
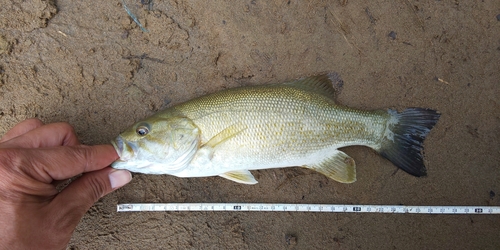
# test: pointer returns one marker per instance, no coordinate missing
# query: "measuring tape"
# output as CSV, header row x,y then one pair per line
x,y
270,207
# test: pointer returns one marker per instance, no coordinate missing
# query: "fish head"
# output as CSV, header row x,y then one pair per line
x,y
157,145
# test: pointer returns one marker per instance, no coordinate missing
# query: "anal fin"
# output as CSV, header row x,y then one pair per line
x,y
240,176
339,166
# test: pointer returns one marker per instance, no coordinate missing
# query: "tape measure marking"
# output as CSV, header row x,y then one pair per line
x,y
271,207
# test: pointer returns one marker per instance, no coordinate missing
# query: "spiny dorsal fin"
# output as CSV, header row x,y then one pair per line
x,y
328,85
339,166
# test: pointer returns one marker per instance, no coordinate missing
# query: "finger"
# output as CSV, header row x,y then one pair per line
x,y
74,201
59,163
54,134
21,128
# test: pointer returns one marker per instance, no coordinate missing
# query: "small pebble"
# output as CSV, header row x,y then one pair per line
x,y
291,240
393,35
492,194
125,34
498,17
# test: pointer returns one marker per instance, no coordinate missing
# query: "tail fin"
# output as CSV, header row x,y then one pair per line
x,y
403,141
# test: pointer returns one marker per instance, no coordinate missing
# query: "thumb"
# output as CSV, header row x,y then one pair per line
x,y
81,194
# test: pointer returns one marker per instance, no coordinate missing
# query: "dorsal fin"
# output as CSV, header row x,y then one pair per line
x,y
328,85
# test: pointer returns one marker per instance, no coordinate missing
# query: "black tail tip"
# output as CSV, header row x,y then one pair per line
x,y
403,142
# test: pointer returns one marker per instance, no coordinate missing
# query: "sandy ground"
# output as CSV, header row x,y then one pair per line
x,y
87,63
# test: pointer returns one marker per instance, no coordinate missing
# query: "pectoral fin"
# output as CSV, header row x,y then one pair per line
x,y
241,176
225,135
208,149
339,167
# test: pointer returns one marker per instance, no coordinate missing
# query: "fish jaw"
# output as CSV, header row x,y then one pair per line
x,y
118,145
144,167
125,151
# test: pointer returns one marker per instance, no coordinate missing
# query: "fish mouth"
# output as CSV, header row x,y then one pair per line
x,y
118,145
125,150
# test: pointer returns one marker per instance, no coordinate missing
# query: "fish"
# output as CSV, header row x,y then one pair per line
x,y
293,124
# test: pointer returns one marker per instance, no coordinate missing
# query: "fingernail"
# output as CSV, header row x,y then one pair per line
x,y
118,178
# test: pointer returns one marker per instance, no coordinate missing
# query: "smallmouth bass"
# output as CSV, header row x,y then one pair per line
x,y
296,123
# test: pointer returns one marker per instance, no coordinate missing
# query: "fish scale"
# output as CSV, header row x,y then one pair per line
x,y
282,116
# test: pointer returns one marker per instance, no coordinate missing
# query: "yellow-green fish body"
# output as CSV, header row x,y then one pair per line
x,y
273,126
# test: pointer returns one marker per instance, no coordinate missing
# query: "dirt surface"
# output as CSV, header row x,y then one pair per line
x,y
89,64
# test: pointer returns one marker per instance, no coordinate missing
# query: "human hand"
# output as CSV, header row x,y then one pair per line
x,y
34,158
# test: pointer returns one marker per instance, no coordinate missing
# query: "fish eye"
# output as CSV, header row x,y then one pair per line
x,y
142,130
